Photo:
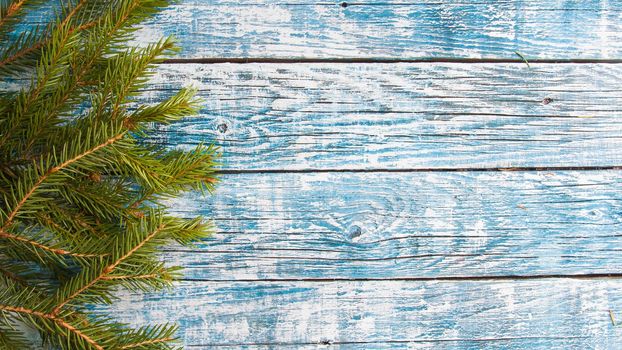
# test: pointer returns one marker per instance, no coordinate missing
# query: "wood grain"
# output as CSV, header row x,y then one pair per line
x,y
401,116
406,225
571,29
342,219
552,314
381,30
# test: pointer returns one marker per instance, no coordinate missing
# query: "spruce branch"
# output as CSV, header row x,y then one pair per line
x,y
114,21
154,335
38,245
10,11
51,171
36,46
81,182
56,320
13,339
80,285
8,274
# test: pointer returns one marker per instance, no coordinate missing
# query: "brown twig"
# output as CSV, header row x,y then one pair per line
x,y
12,10
107,270
147,342
59,321
127,277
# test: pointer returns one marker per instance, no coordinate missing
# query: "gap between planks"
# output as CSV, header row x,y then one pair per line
x,y
328,342
585,276
355,60
417,170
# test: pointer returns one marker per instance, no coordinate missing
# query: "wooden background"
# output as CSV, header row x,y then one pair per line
x,y
395,176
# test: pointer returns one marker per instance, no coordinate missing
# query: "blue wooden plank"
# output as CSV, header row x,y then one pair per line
x,y
588,29
354,226
406,225
392,29
401,116
485,344
551,313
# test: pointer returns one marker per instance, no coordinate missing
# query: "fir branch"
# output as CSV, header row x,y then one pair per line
x,y
35,244
49,70
23,276
52,317
21,53
11,275
11,11
76,166
146,336
106,270
186,170
135,64
69,224
40,44
147,342
132,277
51,171
12,339
107,26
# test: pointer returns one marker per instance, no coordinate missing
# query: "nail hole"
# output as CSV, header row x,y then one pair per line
x,y
344,4
547,100
222,128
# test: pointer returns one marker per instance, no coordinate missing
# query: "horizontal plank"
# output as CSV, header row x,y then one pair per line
x,y
501,344
406,225
401,116
556,313
393,29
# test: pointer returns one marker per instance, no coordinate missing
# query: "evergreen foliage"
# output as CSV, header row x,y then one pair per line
x,y
82,188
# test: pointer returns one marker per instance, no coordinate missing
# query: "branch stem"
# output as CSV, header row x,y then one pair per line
x,y
107,270
59,321
51,171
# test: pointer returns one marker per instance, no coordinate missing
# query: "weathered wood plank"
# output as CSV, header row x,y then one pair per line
x,y
407,225
488,344
402,116
553,314
394,29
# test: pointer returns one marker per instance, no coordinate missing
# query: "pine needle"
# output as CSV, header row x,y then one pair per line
x,y
82,188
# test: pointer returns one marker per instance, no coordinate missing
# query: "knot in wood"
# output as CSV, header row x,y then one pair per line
x,y
344,4
355,231
547,100
222,128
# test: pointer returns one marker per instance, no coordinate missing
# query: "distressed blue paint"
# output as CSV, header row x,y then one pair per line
x,y
395,29
552,313
406,116
355,226
283,226
389,29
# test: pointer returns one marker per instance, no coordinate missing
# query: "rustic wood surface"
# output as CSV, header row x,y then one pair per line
x,y
394,29
401,116
407,225
546,313
366,199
